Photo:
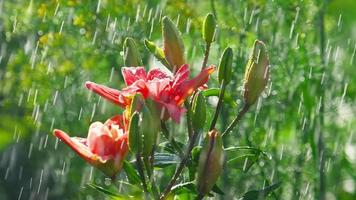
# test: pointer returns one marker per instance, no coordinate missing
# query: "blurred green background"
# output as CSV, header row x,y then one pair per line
x,y
49,48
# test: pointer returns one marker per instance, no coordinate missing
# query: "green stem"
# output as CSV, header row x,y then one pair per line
x,y
181,165
218,107
234,122
321,146
190,127
141,173
206,55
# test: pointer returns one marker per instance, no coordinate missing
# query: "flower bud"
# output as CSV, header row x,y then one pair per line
x,y
135,138
256,74
132,56
209,26
173,46
225,66
150,126
211,162
136,103
157,52
198,111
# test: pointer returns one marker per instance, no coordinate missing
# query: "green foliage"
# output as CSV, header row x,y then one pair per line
x,y
48,49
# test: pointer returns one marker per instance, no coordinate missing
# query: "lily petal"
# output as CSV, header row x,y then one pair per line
x,y
77,144
132,74
106,92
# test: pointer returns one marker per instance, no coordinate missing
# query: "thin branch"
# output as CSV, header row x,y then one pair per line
x,y
234,122
206,55
181,165
219,105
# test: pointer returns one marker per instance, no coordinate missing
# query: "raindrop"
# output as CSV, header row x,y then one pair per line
x,y
55,97
30,151
56,144
98,6
63,168
93,112
7,173
19,197
61,29
40,183
80,113
20,172
282,150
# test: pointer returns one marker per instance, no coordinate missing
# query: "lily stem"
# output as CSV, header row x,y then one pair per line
x,y
206,55
149,169
181,165
234,122
141,173
219,105
171,139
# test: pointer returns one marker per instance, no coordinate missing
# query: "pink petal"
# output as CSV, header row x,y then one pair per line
x,y
156,73
106,92
181,75
174,111
186,88
100,140
132,74
77,144
156,87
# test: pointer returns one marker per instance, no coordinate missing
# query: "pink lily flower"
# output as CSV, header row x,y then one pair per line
x,y
104,148
168,91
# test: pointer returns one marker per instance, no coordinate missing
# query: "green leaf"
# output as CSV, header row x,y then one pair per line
x,y
131,173
184,188
165,159
243,157
217,190
108,193
216,91
260,194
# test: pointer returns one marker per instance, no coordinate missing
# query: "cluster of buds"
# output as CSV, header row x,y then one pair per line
x,y
153,96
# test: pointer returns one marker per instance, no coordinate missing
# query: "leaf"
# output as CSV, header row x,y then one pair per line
x,y
131,173
243,157
260,194
108,193
217,190
184,188
165,159
216,91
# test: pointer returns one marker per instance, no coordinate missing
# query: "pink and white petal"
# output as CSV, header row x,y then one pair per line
x,y
108,93
157,86
174,111
76,144
132,74
157,73
181,75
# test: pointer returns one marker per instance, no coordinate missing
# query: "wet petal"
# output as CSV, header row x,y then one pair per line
x,y
77,144
132,74
106,92
156,73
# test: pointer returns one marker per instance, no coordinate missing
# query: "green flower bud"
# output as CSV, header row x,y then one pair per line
x,y
134,136
157,52
173,46
132,56
209,26
211,162
136,103
256,74
150,126
225,66
198,111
